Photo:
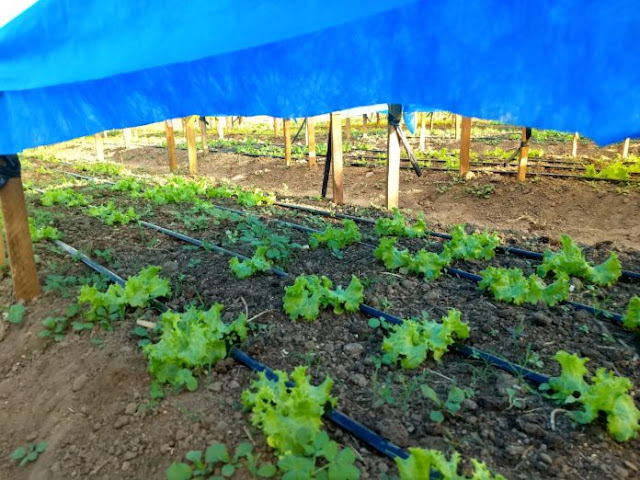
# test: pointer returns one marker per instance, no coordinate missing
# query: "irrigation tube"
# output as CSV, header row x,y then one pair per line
x,y
512,250
351,426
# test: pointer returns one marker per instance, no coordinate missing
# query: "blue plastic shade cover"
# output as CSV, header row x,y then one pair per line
x,y
70,68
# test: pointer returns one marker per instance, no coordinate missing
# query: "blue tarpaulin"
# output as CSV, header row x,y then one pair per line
x,y
70,68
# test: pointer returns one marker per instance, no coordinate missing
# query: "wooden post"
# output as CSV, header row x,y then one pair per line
x,y
203,133
275,127
229,122
287,141
625,148
574,151
23,265
311,129
171,146
457,122
465,145
393,157
220,128
192,151
524,154
99,147
336,158
364,125
423,124
306,131
377,119
3,255
431,121
126,133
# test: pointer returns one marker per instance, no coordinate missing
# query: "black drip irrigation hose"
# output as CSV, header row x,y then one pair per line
x,y
511,250
346,423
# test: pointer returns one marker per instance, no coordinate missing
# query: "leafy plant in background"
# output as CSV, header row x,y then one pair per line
x,y
63,196
309,294
410,342
101,168
422,463
15,313
28,454
455,397
190,341
337,239
398,227
203,464
249,267
605,392
571,261
425,263
510,285
289,412
130,185
110,214
56,328
106,307
476,246
631,319
43,232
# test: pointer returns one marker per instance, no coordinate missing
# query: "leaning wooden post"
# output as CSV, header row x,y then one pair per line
x,y
311,129
14,210
625,148
393,157
203,134
171,146
220,128
423,124
192,151
524,154
336,158
99,147
465,146
574,151
286,123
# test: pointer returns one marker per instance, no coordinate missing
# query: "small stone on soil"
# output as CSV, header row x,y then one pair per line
x,y
121,422
215,386
359,380
353,349
79,382
131,408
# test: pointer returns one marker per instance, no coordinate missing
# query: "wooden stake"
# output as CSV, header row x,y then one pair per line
x,y
126,132
377,119
99,147
23,265
393,166
347,126
171,146
524,154
287,141
3,255
423,124
574,151
431,121
192,152
203,133
220,127
364,125
275,127
465,145
458,126
311,129
229,122
625,148
336,158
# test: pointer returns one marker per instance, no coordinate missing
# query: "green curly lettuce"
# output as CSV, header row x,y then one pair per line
x,y
512,286
477,246
631,319
310,293
397,226
337,239
248,268
422,463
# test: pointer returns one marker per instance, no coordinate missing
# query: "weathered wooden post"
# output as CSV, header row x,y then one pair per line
x,y
625,148
336,158
311,129
423,124
99,146
203,134
286,128
14,210
126,133
574,151
393,156
220,128
465,146
192,151
171,146
524,154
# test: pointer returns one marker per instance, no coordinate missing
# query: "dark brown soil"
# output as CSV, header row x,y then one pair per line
x,y
87,396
